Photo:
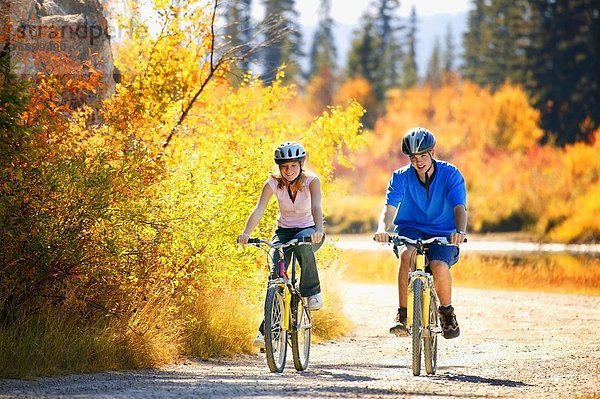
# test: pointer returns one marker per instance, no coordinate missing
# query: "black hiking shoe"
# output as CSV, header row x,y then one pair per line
x,y
448,321
399,328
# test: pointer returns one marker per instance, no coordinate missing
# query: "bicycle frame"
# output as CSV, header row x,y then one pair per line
x,y
419,315
284,281
426,278
285,312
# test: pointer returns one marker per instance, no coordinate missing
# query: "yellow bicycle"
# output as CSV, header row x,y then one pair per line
x,y
422,304
285,312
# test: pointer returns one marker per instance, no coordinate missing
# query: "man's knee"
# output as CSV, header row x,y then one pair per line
x,y
438,265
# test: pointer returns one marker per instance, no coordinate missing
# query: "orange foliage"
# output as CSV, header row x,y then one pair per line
x,y
512,181
356,89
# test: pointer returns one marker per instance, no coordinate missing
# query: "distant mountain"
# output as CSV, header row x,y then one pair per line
x,y
428,29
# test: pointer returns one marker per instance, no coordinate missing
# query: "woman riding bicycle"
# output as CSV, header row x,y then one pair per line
x,y
300,215
424,199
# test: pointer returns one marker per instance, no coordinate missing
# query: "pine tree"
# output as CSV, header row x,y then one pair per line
x,y
360,60
238,31
284,41
563,67
448,56
323,52
474,43
376,52
433,77
410,75
495,42
322,68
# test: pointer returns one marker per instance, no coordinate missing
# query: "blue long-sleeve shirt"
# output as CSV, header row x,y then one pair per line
x,y
428,209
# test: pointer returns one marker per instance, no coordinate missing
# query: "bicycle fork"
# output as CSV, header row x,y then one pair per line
x,y
419,274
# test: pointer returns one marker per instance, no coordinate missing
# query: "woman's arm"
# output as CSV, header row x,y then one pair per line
x,y
257,213
316,210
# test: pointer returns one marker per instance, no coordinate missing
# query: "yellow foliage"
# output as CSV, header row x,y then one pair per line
x,y
516,122
144,246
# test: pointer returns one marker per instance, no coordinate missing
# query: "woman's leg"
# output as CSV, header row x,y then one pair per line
x,y
309,277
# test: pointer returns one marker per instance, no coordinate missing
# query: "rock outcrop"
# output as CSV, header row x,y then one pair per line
x,y
43,30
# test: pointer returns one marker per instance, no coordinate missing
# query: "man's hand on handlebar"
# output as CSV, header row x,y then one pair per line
x,y
381,236
457,238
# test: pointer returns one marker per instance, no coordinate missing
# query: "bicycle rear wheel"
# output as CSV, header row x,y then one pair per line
x,y
301,331
417,323
430,338
275,335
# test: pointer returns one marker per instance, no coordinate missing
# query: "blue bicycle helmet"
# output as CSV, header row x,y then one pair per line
x,y
417,141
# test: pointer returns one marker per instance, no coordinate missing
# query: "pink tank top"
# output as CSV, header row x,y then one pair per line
x,y
297,213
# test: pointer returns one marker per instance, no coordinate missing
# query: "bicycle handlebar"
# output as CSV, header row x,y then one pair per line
x,y
399,240
295,241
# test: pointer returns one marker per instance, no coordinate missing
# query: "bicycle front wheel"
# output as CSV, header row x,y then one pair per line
x,y
275,335
417,325
301,328
430,339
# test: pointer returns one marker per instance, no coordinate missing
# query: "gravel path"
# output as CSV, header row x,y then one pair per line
x,y
513,345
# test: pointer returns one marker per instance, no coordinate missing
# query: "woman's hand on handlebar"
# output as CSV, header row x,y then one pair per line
x,y
243,238
316,237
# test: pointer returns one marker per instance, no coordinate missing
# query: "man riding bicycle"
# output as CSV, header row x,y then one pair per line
x,y
424,199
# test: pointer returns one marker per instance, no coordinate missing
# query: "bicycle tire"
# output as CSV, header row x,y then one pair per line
x,y
275,335
300,333
430,339
417,323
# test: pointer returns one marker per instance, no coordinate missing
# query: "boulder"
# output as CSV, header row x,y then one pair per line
x,y
44,32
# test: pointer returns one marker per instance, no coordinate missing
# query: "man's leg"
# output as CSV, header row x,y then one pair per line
x,y
443,281
403,271
399,327
443,286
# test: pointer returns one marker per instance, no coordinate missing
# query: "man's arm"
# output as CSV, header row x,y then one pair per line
x,y
385,223
460,221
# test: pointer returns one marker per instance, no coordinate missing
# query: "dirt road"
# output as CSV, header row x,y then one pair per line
x,y
513,345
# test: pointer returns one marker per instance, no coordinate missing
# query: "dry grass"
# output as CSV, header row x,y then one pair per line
x,y
54,343
555,273
222,322
330,322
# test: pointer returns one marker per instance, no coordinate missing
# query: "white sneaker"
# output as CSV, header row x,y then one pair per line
x,y
259,341
315,302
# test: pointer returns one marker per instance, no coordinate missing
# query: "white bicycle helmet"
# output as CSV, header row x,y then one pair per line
x,y
288,152
417,141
